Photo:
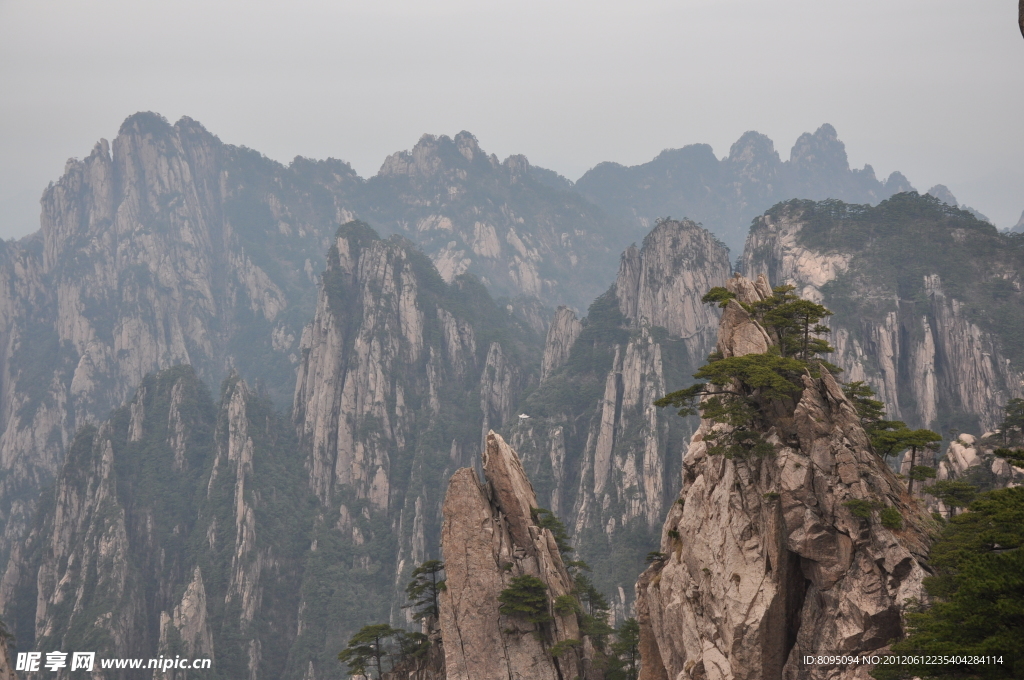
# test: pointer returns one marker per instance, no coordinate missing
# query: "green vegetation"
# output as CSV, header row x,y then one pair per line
x,y
374,643
625,663
545,519
368,649
1012,427
859,508
891,518
424,588
978,591
526,597
901,245
891,437
953,493
738,388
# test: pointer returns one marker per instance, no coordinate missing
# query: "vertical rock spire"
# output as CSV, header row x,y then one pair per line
x,y
773,558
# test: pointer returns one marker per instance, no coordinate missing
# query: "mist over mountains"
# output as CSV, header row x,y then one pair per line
x,y
367,335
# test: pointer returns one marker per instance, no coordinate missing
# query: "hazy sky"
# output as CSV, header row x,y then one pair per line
x,y
934,88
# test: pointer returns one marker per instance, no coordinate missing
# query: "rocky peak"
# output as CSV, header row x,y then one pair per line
x,y
754,158
655,289
488,538
437,155
897,183
942,192
921,339
772,558
820,150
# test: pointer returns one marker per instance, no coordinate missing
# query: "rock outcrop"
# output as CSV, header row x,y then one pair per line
x,y
490,537
767,559
934,358
971,459
165,247
562,334
401,376
169,247
600,453
170,532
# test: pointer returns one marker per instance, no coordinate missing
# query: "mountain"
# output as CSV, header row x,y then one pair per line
x,y
178,526
942,192
599,453
1019,227
166,247
810,549
724,195
181,525
927,301
170,247
490,539
513,226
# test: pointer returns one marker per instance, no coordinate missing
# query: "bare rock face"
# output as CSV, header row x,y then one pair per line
x,y
656,284
924,356
472,213
402,376
562,333
489,537
602,456
169,531
765,560
162,248
969,458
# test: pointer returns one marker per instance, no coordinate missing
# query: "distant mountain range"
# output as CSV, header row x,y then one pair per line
x,y
366,334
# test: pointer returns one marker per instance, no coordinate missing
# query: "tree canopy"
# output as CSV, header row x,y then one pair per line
x,y
526,597
368,648
423,590
734,388
625,662
978,592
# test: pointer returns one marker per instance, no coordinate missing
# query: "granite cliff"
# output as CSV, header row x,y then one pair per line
x,y
402,375
600,454
178,526
498,220
169,247
166,247
926,300
765,559
489,538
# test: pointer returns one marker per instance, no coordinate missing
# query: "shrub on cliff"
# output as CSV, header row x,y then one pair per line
x,y
526,597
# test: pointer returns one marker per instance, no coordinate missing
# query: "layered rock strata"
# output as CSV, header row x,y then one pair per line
x,y
764,560
490,537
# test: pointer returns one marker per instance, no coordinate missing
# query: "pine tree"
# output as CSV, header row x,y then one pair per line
x,y
977,595
526,597
367,649
625,661
736,388
423,590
